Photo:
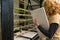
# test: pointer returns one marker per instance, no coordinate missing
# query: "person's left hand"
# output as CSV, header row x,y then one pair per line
x,y
36,22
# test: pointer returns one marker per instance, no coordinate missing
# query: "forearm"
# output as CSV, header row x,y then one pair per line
x,y
49,33
45,32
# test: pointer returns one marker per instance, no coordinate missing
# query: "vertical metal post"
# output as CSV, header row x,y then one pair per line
x,y
7,19
29,1
21,6
0,22
41,1
29,7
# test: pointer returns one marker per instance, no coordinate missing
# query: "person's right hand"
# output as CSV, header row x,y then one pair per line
x,y
36,22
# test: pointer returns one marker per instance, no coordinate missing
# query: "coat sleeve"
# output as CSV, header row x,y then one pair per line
x,y
54,24
49,33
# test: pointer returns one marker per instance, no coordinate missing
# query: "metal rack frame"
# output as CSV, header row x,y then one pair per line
x,y
0,22
7,19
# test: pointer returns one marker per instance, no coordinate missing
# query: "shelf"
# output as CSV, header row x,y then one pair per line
x,y
21,14
25,17
24,26
37,1
16,28
32,28
25,2
21,9
22,20
22,2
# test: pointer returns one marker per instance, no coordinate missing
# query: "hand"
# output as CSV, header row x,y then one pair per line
x,y
36,22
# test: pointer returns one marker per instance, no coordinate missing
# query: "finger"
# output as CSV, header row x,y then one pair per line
x,y
36,20
33,20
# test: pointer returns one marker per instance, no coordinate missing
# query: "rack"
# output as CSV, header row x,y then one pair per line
x,y
22,16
